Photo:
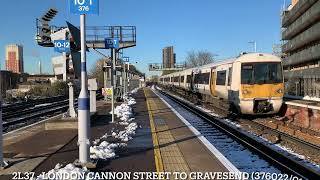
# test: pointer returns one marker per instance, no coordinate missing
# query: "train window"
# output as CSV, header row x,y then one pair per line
x,y
189,78
229,76
261,73
202,78
182,79
221,77
176,79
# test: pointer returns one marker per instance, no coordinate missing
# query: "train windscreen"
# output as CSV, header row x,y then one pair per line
x,y
261,73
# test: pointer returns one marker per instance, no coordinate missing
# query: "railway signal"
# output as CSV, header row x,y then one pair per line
x,y
49,15
45,30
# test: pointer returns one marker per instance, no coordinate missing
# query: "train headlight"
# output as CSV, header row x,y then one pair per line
x,y
280,91
246,92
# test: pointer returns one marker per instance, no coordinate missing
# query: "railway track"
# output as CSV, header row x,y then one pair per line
x,y
31,103
18,119
256,122
286,163
282,135
34,112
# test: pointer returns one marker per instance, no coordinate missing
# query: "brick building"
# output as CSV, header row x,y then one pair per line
x,y
168,57
14,58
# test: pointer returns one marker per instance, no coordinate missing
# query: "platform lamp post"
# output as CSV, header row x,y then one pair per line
x,y
83,7
254,45
125,61
83,101
114,80
113,44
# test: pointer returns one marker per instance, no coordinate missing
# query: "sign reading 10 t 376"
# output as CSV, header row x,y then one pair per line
x,y
84,6
61,46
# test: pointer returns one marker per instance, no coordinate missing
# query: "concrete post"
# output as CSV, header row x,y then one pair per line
x,y
128,78
72,111
93,101
83,101
114,81
124,79
93,87
105,76
64,75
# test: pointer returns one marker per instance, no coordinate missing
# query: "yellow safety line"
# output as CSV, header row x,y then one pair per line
x,y
157,155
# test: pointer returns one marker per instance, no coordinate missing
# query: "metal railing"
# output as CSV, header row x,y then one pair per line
x,y
94,34
162,67
123,33
289,16
312,34
303,56
309,17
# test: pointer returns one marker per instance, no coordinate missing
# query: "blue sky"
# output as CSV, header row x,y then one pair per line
x,y
222,27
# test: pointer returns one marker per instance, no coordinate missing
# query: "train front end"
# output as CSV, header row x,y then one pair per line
x,y
261,85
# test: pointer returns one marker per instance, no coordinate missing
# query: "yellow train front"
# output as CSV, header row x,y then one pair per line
x,y
249,84
260,86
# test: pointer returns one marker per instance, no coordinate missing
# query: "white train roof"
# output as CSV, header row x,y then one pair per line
x,y
251,57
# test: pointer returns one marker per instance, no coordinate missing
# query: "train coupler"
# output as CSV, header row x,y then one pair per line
x,y
262,106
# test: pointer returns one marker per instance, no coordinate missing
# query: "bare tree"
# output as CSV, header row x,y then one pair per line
x,y
97,71
199,58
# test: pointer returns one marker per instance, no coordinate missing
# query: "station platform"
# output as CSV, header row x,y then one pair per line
x,y
302,113
179,149
162,143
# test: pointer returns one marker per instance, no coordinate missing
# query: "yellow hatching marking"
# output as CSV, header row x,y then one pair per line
x,y
157,155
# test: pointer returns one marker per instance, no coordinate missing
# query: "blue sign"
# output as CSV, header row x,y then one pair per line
x,y
61,46
84,6
125,59
111,43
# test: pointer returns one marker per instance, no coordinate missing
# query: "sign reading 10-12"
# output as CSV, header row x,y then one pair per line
x,y
61,46
84,6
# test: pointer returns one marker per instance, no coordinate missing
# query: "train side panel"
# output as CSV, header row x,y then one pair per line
x,y
234,91
221,87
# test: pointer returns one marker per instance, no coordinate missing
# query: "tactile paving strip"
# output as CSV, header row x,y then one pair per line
x,y
172,158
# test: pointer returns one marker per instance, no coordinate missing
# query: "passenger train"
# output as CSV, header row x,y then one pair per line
x,y
248,84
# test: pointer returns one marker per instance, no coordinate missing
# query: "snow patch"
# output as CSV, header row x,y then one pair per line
x,y
135,90
101,149
308,98
233,123
40,105
105,150
126,134
123,111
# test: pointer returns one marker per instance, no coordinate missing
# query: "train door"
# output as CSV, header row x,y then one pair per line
x,y
191,82
213,82
229,77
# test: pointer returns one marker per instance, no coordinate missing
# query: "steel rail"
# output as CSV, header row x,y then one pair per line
x,y
286,136
282,161
53,108
8,116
